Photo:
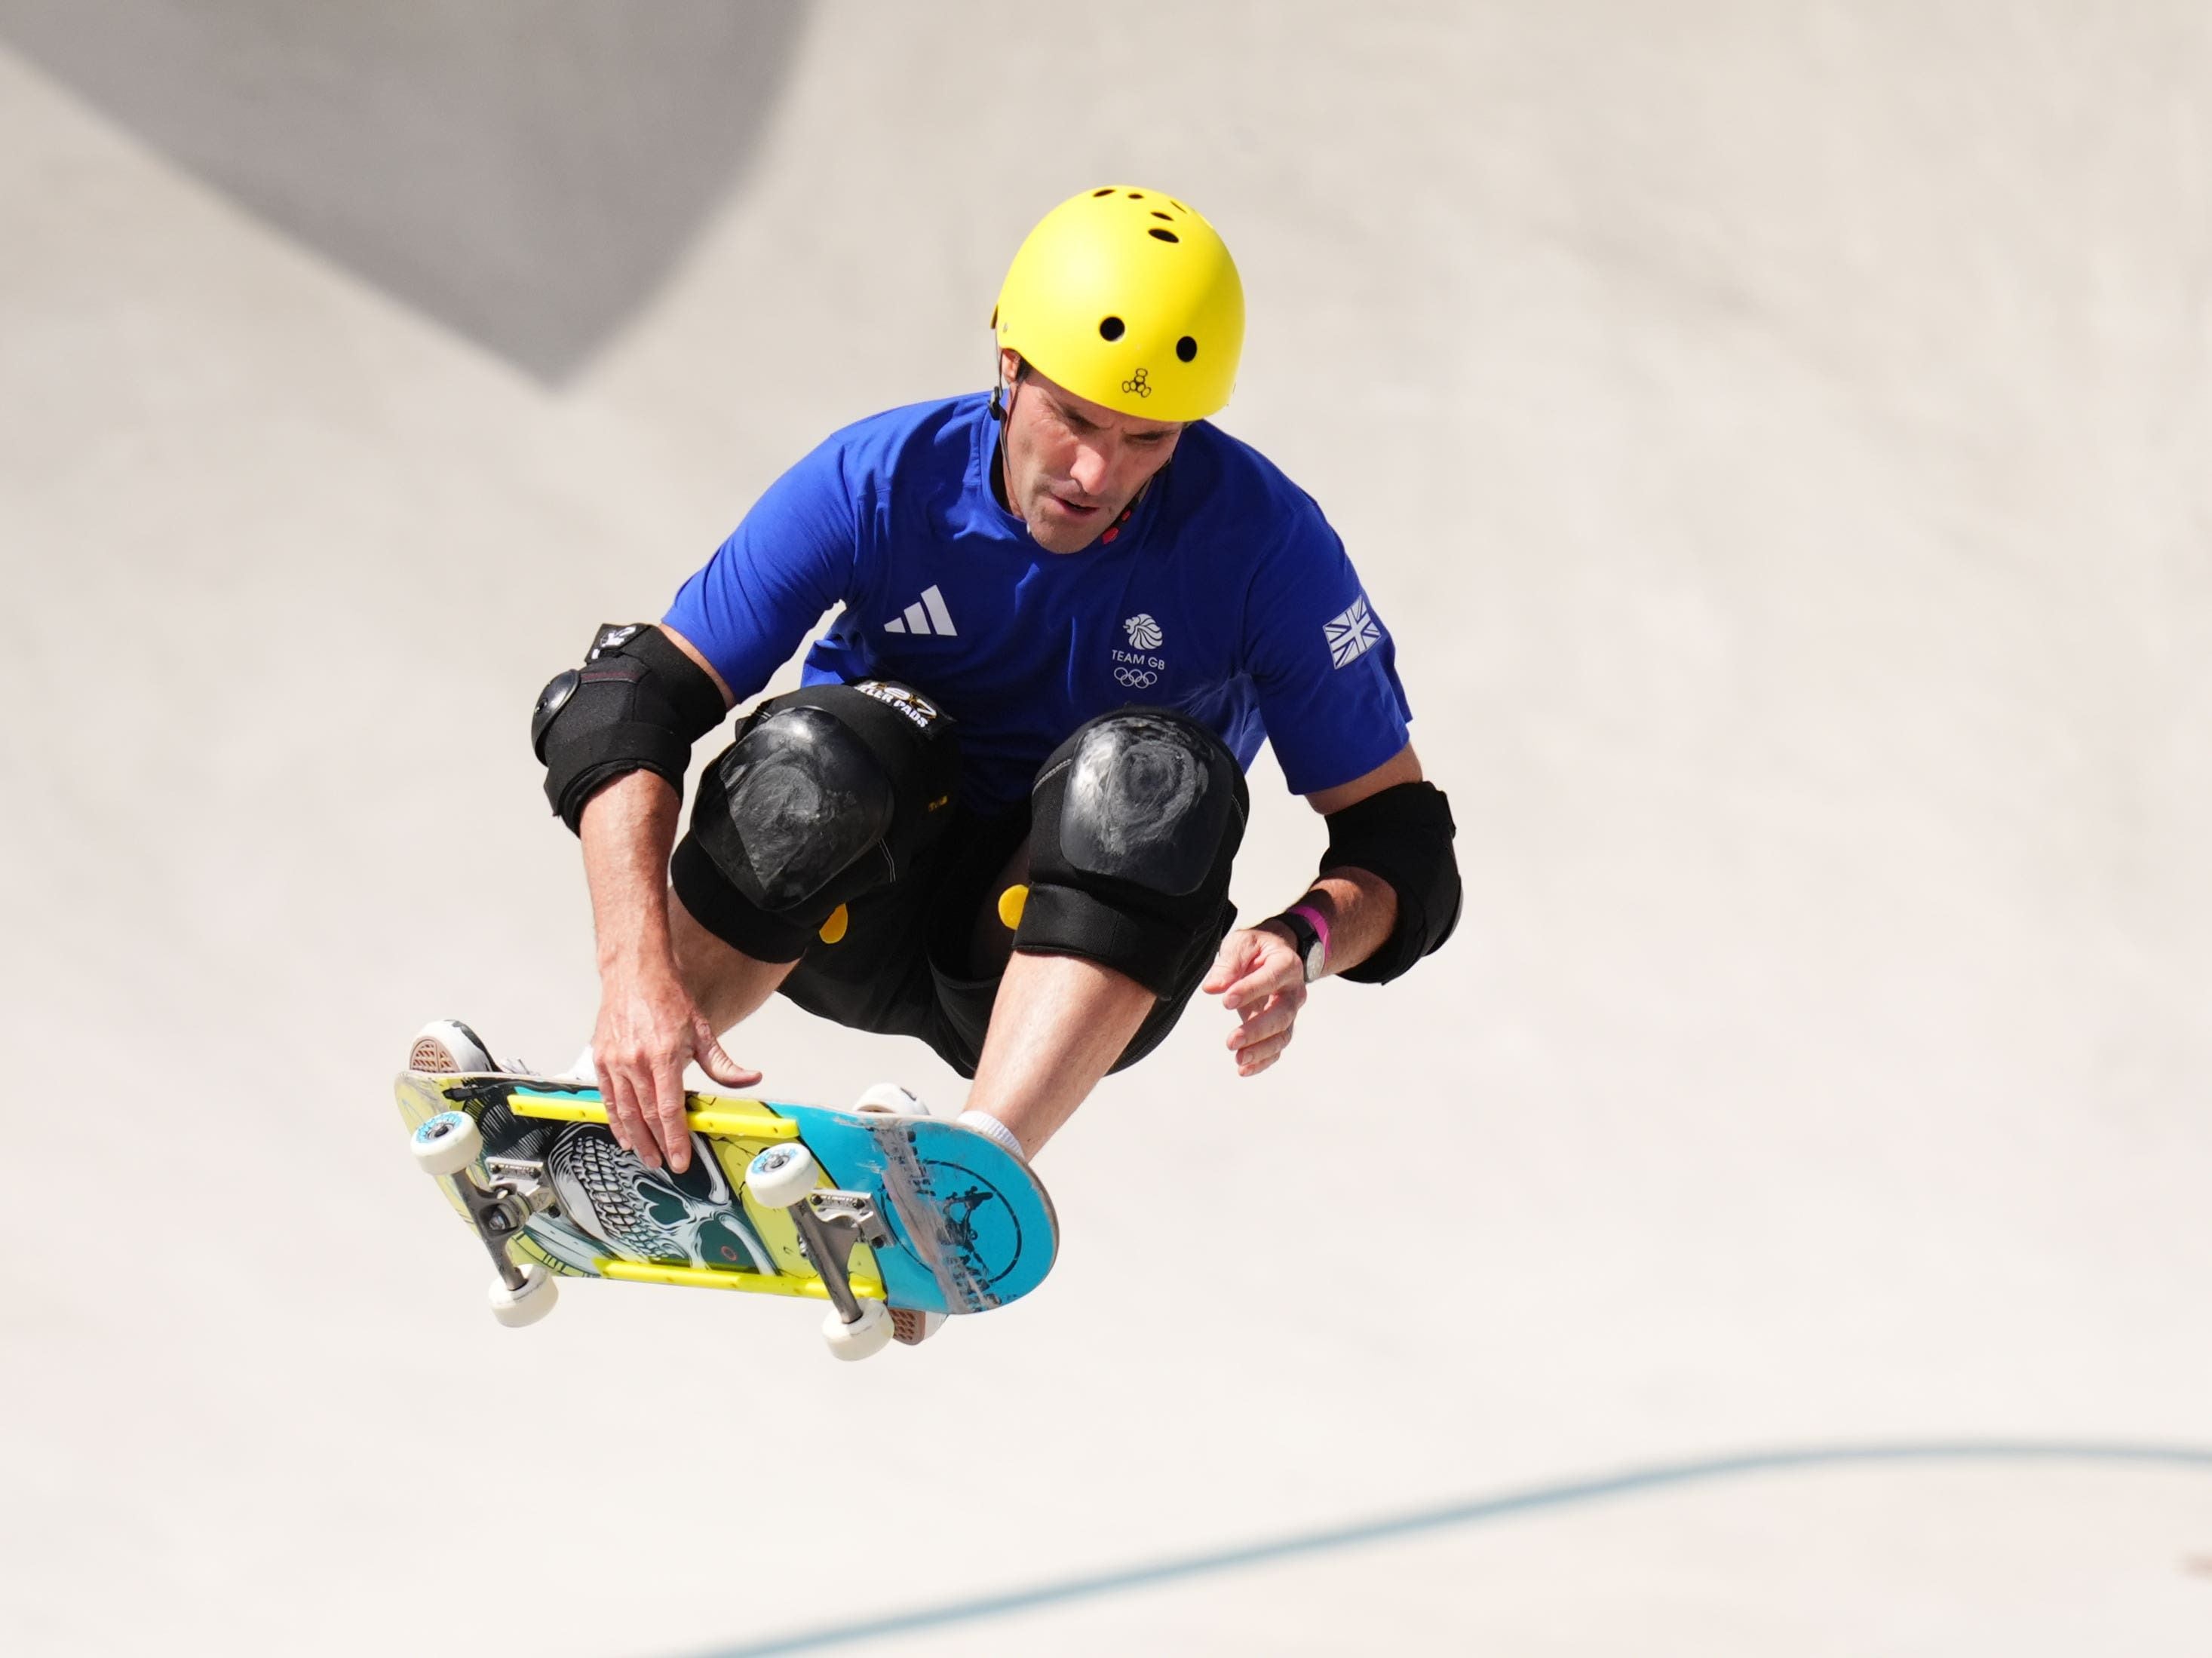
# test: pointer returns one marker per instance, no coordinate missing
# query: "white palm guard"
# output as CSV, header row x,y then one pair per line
x,y
984,1123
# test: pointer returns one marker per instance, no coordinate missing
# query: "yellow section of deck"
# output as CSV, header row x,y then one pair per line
x,y
762,1125
707,1278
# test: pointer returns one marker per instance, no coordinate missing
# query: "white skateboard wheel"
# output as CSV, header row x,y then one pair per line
x,y
863,1339
516,1307
782,1176
447,1143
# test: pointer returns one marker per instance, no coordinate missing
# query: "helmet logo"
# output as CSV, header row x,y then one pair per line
x,y
1139,383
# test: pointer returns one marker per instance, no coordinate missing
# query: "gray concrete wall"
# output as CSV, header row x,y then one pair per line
x,y
1776,439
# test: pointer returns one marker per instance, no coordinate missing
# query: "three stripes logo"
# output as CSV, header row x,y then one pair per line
x,y
928,616
1352,634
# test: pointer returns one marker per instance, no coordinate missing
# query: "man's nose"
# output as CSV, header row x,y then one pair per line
x,y
1090,468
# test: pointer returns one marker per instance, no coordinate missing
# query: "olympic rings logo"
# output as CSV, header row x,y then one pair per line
x,y
1136,678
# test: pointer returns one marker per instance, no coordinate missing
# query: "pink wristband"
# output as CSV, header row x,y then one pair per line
x,y
1320,924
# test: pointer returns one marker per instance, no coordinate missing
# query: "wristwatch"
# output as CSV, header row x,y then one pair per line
x,y
1309,932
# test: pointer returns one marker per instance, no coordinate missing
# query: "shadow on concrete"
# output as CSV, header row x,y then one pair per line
x,y
1508,1505
524,171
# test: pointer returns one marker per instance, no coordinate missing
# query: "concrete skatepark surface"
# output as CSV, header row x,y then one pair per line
x,y
1777,444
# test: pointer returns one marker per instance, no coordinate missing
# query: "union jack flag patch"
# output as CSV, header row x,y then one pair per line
x,y
1352,634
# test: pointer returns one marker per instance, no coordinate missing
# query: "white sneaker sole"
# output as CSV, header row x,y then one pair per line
x,y
914,1327
446,1048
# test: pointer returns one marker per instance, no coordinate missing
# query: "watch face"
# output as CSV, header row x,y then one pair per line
x,y
1309,943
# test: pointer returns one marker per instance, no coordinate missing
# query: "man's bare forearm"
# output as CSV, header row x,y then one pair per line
x,y
629,829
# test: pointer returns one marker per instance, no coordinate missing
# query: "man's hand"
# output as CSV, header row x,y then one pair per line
x,y
1259,977
649,1029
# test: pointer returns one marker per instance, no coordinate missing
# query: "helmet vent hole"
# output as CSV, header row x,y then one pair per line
x,y
1159,234
1177,205
1170,217
1109,191
1136,195
1111,327
1186,348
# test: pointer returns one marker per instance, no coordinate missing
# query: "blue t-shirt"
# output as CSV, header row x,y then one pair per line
x,y
1224,594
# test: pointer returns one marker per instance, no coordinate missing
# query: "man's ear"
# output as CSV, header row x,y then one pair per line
x,y
1011,370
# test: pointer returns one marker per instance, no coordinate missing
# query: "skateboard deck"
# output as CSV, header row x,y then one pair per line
x,y
921,1213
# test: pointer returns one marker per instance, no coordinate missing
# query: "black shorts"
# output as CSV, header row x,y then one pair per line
x,y
902,966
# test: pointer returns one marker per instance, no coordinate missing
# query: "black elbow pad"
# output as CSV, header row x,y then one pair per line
x,y
1401,836
637,704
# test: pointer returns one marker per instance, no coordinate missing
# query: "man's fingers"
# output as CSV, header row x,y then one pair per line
x,y
1251,1061
1261,1043
1272,979
1259,1040
605,1073
1268,967
1228,964
637,1104
614,1109
716,1062
620,1090
610,1096
1255,987
667,1111
1263,1020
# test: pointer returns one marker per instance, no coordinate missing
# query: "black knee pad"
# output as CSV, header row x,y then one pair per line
x,y
1135,821
828,792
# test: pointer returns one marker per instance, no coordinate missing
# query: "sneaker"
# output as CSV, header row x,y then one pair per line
x,y
914,1327
890,1100
447,1047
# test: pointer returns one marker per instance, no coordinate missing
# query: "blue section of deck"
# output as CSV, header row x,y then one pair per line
x,y
974,1229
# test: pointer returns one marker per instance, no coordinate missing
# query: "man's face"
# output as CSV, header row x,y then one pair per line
x,y
1072,464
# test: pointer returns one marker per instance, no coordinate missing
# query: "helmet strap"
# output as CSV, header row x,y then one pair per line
x,y
1003,412
1000,411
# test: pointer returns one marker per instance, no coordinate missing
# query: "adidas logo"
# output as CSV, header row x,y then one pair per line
x,y
929,615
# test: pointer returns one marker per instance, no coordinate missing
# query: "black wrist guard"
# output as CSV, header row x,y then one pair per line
x,y
637,704
1401,836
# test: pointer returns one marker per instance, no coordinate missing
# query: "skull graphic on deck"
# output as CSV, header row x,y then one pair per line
x,y
689,1220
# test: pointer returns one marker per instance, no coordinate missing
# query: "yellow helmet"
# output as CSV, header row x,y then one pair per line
x,y
1127,297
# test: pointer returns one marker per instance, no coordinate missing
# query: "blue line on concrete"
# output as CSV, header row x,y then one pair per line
x,y
1454,1514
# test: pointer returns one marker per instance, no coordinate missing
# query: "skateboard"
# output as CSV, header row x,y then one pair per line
x,y
867,1210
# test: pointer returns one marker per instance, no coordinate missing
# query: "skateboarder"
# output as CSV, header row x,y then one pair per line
x,y
1001,812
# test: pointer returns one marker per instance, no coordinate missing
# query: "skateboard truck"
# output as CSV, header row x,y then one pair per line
x,y
517,1192
445,1147
830,1223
